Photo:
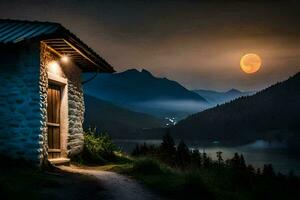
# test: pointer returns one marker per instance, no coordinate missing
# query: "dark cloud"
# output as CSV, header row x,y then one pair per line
x,y
198,43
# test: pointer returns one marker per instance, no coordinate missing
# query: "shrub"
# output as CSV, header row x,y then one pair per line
x,y
149,166
194,186
98,148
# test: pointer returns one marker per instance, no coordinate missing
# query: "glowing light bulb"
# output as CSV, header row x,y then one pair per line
x,y
65,59
53,67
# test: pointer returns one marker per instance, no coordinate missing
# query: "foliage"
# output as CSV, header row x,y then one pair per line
x,y
194,174
183,157
196,158
219,156
268,171
237,162
149,166
194,186
167,148
144,149
98,148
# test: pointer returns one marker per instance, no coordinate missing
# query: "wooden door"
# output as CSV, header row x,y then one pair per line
x,y
53,113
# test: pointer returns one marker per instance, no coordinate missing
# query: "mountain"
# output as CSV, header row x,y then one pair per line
x,y
142,92
214,97
118,122
271,114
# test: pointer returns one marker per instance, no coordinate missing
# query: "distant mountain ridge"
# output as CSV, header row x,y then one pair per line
x,y
215,97
142,92
271,114
118,122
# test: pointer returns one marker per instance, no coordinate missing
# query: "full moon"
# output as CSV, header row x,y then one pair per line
x,y
250,63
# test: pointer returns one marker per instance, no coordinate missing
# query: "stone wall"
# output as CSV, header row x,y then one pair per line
x,y
20,114
43,86
76,114
23,102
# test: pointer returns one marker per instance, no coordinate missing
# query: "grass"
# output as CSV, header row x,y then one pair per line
x,y
25,182
16,183
210,180
163,179
97,149
18,180
207,183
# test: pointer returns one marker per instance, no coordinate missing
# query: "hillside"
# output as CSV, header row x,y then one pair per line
x,y
117,121
270,114
142,92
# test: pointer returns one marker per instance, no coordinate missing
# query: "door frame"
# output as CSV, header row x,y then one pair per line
x,y
64,117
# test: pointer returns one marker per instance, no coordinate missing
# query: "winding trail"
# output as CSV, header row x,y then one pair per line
x,y
116,186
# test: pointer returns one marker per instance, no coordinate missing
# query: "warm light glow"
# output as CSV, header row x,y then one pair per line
x,y
65,59
250,63
53,67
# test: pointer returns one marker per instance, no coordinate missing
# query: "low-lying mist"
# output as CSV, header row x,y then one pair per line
x,y
189,106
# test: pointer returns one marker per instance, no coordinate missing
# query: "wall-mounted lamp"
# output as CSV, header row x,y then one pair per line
x,y
65,59
53,67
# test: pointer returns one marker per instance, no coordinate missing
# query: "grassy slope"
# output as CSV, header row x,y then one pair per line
x,y
206,183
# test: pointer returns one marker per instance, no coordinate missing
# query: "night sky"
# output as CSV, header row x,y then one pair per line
x,y
197,43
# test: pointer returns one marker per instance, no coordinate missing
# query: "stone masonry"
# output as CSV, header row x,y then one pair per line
x,y
23,103
20,114
75,101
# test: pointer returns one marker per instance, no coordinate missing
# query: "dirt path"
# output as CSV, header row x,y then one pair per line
x,y
116,186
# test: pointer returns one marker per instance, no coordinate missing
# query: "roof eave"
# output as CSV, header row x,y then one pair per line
x,y
101,64
90,62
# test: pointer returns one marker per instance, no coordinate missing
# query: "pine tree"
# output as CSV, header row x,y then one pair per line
x,y
182,155
258,172
235,161
196,159
268,170
206,160
168,149
250,169
242,164
219,157
136,150
144,150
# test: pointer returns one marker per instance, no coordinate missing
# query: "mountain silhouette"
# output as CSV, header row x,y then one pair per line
x,y
142,92
271,114
118,122
213,97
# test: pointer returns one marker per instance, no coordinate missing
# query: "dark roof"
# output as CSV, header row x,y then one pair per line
x,y
60,39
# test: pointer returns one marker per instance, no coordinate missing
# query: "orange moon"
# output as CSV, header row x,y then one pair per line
x,y
250,63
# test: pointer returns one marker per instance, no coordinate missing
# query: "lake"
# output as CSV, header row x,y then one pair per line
x,y
257,153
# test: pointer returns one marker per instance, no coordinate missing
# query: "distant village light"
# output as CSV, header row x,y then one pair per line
x,y
65,59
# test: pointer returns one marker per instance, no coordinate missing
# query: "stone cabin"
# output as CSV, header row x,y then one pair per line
x,y
41,96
